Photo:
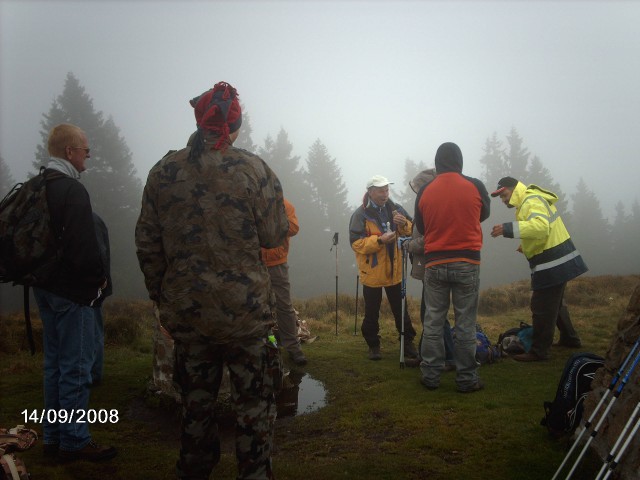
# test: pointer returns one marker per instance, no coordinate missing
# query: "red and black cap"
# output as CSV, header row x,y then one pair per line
x,y
504,182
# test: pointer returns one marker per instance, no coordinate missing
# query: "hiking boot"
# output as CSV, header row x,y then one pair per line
x,y
410,351
528,357
473,388
91,452
428,386
374,353
298,358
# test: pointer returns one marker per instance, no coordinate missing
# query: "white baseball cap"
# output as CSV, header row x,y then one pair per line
x,y
378,181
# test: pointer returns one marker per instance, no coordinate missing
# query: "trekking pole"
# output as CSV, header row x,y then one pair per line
x,y
616,461
403,296
587,424
608,465
355,321
604,415
335,244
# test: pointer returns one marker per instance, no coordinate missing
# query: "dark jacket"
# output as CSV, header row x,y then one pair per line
x,y
81,272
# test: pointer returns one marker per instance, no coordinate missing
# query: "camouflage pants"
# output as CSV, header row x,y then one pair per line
x,y
253,370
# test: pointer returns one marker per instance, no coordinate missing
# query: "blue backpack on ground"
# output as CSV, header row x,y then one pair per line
x,y
486,352
563,415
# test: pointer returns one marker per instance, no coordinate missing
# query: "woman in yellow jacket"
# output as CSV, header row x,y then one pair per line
x,y
373,233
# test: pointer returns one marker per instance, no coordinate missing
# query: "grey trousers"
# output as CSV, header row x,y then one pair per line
x,y
286,314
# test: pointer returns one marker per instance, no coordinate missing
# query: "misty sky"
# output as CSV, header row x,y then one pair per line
x,y
376,81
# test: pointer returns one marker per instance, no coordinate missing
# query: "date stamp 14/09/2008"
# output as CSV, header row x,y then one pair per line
x,y
71,416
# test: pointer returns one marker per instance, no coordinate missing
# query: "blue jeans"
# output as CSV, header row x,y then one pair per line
x,y
457,283
69,331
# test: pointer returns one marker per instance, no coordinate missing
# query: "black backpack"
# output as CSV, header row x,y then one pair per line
x,y
510,342
29,250
563,415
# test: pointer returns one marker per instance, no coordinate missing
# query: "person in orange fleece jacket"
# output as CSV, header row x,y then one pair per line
x,y
276,261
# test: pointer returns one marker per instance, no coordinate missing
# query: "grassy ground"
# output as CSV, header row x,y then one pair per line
x,y
379,421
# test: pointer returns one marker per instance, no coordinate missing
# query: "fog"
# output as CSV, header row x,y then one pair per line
x,y
376,81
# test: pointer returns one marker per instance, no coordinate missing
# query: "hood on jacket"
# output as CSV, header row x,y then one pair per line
x,y
520,191
448,158
422,178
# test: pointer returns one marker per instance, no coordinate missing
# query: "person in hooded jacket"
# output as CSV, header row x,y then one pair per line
x,y
553,259
448,213
373,233
416,249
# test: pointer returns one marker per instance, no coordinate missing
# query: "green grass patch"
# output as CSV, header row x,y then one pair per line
x,y
379,421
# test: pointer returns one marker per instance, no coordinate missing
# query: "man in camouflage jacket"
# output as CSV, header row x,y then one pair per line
x,y
206,211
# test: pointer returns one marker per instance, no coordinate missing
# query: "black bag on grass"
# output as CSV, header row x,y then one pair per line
x,y
563,415
516,340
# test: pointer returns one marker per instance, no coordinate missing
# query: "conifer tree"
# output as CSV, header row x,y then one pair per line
x,y
329,214
328,191
278,155
244,140
625,232
589,230
516,157
493,168
538,174
111,179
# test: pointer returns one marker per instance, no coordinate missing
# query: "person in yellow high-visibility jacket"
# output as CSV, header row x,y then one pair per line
x,y
553,259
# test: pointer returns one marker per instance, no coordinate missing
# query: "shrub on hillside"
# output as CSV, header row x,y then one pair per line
x,y
127,322
497,300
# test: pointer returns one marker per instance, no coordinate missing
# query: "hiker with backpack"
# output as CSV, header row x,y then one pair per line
x,y
449,211
373,234
552,257
66,301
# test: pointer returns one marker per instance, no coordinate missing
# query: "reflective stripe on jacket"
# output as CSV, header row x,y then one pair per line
x,y
545,241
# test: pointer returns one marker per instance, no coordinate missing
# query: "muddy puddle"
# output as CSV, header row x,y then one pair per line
x,y
300,394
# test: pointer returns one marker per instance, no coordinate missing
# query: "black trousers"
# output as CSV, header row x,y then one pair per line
x,y
548,310
372,300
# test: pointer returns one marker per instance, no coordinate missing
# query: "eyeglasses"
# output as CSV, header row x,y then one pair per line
x,y
86,150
